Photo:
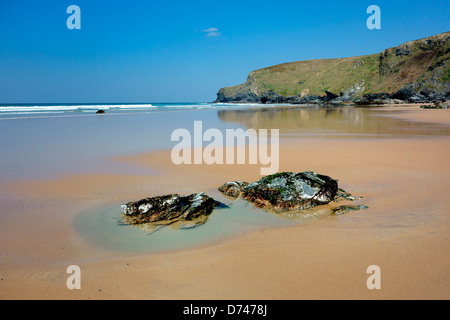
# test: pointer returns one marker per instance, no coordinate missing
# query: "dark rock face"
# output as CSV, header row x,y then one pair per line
x,y
271,97
404,93
331,95
414,93
233,189
410,93
402,50
247,97
169,208
287,191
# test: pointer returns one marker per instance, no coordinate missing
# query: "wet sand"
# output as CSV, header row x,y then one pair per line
x,y
405,231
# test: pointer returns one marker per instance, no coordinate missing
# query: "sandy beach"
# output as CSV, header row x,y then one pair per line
x,y
215,159
404,181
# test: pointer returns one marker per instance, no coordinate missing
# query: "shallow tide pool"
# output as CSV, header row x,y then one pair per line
x,y
103,226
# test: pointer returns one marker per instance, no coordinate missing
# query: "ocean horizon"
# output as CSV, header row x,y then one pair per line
x,y
42,109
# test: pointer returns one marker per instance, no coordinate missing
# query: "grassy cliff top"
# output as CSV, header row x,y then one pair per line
x,y
422,61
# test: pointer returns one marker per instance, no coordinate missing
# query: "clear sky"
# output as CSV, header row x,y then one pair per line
x,y
185,51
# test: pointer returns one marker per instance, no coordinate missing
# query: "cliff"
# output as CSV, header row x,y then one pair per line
x,y
416,71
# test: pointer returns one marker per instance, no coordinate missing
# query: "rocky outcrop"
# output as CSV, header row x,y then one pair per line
x,y
286,191
281,193
438,105
414,72
169,208
292,191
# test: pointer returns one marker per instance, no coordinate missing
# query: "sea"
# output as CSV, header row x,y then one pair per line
x,y
73,109
43,141
40,141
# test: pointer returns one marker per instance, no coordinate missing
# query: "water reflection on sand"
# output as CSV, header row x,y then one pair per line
x,y
332,122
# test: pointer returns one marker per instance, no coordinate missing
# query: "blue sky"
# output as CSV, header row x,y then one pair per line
x,y
162,51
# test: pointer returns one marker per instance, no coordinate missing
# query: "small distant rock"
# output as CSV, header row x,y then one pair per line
x,y
100,112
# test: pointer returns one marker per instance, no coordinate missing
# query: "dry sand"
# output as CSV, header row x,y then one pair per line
x,y
405,231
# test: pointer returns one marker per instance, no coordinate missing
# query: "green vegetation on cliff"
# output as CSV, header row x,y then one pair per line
x,y
420,66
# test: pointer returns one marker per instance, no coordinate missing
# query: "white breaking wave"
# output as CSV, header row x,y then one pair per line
x,y
186,106
43,109
53,109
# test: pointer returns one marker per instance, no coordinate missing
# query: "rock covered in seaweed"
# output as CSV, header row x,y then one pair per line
x,y
281,192
287,191
292,191
169,208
